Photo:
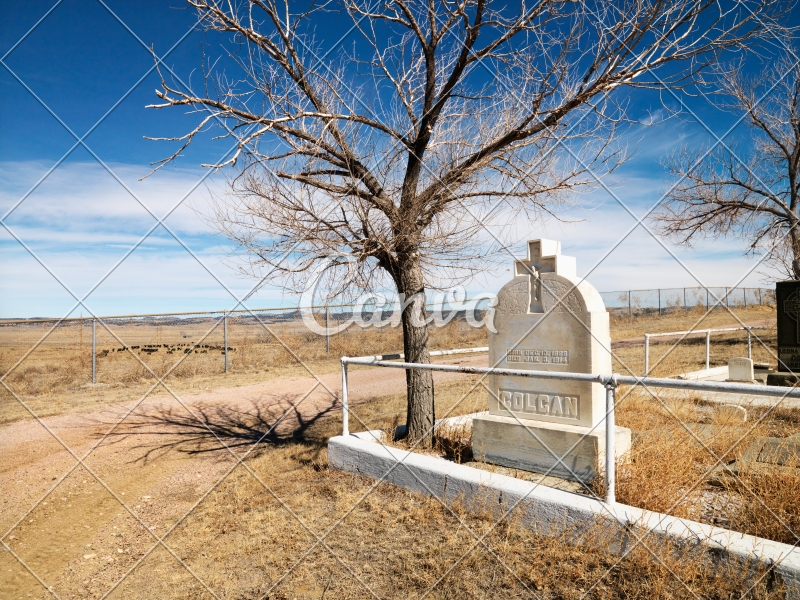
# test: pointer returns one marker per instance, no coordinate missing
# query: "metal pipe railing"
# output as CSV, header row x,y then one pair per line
x,y
611,430
383,357
94,350
708,333
610,381
345,408
434,353
225,338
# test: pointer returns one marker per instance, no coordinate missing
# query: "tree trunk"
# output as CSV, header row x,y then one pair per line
x,y
795,240
420,415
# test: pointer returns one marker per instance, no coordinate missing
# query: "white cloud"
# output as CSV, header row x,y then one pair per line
x,y
590,230
84,197
81,222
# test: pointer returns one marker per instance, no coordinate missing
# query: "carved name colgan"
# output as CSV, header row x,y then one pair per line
x,y
553,405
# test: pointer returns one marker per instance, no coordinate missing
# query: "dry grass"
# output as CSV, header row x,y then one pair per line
x,y
770,506
672,358
62,365
678,444
244,541
54,379
684,320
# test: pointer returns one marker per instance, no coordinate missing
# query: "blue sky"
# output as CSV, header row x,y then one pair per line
x,y
82,61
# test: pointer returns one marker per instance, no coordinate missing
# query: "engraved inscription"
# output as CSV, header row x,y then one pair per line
x,y
553,405
553,357
790,357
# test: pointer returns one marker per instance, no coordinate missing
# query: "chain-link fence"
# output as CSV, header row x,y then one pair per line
x,y
110,350
225,340
102,350
665,301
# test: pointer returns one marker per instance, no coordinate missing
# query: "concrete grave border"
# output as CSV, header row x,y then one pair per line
x,y
550,511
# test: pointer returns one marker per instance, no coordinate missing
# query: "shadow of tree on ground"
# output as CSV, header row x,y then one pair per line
x,y
215,429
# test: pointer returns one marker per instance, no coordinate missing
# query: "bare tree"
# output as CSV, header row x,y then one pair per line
x,y
378,164
749,190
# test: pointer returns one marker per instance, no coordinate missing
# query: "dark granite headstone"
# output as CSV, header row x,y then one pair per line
x,y
787,296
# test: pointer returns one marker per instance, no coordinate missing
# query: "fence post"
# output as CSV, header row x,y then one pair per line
x,y
610,434
345,411
727,304
744,294
94,350
760,301
685,306
630,308
659,302
749,344
706,299
225,337
327,331
646,353
708,348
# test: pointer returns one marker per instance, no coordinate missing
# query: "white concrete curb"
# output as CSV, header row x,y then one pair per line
x,y
704,374
548,510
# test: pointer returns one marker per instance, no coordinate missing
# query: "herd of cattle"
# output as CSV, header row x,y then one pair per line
x,y
171,348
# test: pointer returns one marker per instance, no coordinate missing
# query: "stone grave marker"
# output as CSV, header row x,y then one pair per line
x,y
765,456
731,413
787,296
547,319
741,370
776,451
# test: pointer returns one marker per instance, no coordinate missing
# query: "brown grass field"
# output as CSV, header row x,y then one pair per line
x,y
56,375
257,532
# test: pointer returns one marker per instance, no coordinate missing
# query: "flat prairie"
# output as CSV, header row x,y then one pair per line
x,y
215,485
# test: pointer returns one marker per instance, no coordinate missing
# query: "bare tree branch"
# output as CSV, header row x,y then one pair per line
x,y
749,191
376,160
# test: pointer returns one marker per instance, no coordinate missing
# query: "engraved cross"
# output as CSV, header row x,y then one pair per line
x,y
532,266
528,267
791,307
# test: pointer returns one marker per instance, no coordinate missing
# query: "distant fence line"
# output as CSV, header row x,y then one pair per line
x,y
660,299
663,301
633,302
223,332
334,308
